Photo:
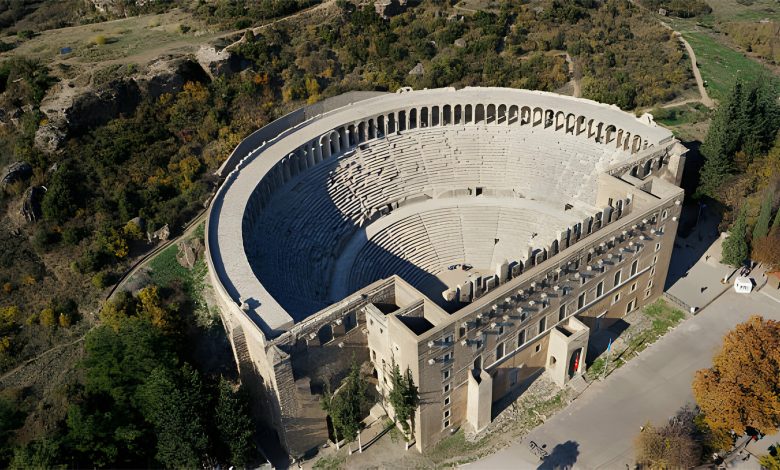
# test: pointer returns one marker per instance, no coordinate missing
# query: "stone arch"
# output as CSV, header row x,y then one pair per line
x,y
636,143
362,133
635,171
413,118
501,117
401,123
571,123
549,118
609,133
391,126
479,114
525,115
619,140
351,137
554,248
538,116
514,114
325,334
560,120
490,114
435,116
580,125
425,115
447,117
648,167
626,140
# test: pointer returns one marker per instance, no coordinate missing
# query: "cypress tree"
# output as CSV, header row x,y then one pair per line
x,y
746,121
776,223
735,247
764,217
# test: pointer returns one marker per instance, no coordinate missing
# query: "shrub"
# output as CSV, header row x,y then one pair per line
x,y
99,40
47,317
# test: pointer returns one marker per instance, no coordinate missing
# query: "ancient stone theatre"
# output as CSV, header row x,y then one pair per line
x,y
476,237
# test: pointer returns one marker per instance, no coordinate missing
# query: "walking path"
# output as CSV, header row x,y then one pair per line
x,y
705,97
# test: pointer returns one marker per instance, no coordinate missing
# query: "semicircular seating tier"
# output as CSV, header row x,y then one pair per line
x,y
411,188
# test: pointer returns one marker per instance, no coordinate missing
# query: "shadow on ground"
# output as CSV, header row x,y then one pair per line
x,y
562,457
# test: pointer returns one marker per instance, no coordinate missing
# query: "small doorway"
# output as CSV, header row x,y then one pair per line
x,y
574,362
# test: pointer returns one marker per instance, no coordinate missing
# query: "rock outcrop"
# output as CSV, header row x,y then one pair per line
x,y
16,171
31,203
71,108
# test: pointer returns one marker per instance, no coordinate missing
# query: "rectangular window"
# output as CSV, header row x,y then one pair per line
x,y
538,348
500,351
449,339
633,287
446,387
583,280
616,298
631,305
445,374
562,312
500,330
600,289
657,246
446,423
652,271
462,332
634,267
647,293
655,260
447,357
521,338
542,325
446,414
617,277
446,401
581,301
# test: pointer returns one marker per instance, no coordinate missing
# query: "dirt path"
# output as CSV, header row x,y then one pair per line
x,y
705,97
574,80
40,356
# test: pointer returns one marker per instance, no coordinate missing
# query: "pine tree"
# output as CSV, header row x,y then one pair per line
x,y
735,247
761,228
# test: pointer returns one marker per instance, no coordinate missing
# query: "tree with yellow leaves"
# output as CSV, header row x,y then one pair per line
x,y
742,388
151,307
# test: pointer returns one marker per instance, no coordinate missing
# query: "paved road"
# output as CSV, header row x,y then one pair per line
x,y
597,430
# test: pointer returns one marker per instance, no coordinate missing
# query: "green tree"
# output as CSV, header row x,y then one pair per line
x,y
735,247
63,194
776,222
761,228
346,405
404,398
172,400
747,122
43,453
235,428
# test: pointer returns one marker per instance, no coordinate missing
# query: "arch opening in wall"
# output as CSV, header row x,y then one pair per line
x,y
479,114
413,118
549,118
325,334
435,116
502,118
469,114
514,114
401,124
648,168
490,114
424,117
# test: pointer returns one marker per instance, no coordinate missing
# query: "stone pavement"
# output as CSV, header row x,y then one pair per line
x,y
695,272
598,429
